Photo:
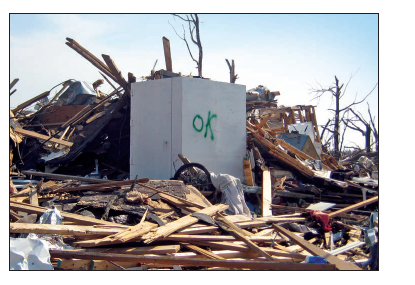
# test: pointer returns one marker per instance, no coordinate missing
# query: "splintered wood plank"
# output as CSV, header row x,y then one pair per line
x,y
237,254
260,265
131,232
41,137
100,186
33,197
160,249
13,83
354,207
61,229
191,238
65,177
83,220
116,72
238,234
58,114
249,224
340,264
80,264
31,101
147,227
266,194
201,251
167,54
182,223
248,173
244,248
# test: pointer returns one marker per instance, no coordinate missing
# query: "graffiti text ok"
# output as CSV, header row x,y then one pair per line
x,y
198,124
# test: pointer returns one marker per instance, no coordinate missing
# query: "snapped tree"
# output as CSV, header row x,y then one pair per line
x,y
334,126
193,22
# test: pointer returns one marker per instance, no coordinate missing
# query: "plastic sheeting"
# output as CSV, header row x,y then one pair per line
x,y
29,254
233,195
31,251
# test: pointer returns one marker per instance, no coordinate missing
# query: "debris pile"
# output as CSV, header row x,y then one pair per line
x,y
296,209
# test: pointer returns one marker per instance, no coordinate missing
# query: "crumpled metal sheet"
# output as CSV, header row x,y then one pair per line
x,y
78,93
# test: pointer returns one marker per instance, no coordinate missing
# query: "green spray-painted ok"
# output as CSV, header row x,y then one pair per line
x,y
208,126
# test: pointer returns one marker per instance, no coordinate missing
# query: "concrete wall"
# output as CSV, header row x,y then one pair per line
x,y
202,119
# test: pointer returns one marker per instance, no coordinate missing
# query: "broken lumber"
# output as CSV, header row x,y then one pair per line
x,y
42,137
31,101
353,207
100,186
201,251
159,249
248,242
167,54
248,172
65,177
83,220
266,193
109,240
90,57
181,223
61,229
117,73
340,264
260,265
256,223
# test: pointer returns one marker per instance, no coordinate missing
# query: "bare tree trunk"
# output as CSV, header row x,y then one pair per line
x,y
337,121
368,132
193,24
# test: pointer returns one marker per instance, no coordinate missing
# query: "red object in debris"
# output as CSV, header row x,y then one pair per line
x,y
322,218
13,189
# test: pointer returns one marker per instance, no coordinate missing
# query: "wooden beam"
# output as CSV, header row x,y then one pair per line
x,y
249,224
244,254
82,220
91,58
298,152
80,264
13,83
65,177
116,72
259,265
111,240
201,251
159,249
248,172
266,193
167,197
233,230
192,238
167,54
181,223
282,156
131,232
41,137
353,207
33,198
244,248
340,264
61,229
100,186
31,101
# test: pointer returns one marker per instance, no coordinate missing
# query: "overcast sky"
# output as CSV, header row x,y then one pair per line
x,y
290,53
